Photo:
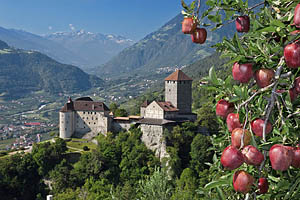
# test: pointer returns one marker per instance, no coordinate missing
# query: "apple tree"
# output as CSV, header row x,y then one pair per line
x,y
257,154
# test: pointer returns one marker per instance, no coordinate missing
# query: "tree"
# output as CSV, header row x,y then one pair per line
x,y
19,178
186,186
156,186
200,153
262,47
47,155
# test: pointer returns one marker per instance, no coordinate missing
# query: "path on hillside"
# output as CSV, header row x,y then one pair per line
x,y
76,149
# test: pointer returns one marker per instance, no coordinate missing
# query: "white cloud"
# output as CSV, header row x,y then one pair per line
x,y
72,27
50,28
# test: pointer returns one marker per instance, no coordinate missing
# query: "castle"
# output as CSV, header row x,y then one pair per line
x,y
86,118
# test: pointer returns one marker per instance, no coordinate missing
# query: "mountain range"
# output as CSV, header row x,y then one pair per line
x,y
165,48
93,48
80,48
23,72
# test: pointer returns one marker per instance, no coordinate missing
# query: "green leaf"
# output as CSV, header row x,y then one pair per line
x,y
213,76
234,99
278,23
238,91
237,39
213,18
229,45
210,3
184,5
288,195
273,178
267,29
220,193
215,184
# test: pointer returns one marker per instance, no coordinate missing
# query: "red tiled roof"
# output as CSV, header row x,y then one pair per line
x,y
145,104
167,106
178,76
84,106
33,124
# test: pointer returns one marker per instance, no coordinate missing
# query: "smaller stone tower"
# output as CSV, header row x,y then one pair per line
x,y
178,91
66,120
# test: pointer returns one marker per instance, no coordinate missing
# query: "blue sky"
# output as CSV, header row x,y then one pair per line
x,y
130,18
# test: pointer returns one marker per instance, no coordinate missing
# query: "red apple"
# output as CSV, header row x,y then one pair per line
x,y
293,94
242,24
296,158
296,32
292,55
257,127
280,157
252,156
233,121
242,181
297,84
199,35
297,16
189,25
236,136
263,185
232,158
264,77
223,108
242,72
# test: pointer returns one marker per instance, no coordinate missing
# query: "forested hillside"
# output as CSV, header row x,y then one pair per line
x,y
23,72
120,168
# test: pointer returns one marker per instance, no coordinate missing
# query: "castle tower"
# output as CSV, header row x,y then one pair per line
x,y
178,91
66,120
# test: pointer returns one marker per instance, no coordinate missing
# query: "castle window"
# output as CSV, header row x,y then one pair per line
x,y
83,112
169,90
87,118
173,81
89,122
94,123
95,113
179,82
82,117
84,127
92,118
96,118
65,129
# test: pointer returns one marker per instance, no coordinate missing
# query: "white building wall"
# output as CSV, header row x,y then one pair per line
x,y
142,111
94,121
153,110
66,124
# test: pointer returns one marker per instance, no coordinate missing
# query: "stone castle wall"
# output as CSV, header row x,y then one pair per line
x,y
154,140
179,93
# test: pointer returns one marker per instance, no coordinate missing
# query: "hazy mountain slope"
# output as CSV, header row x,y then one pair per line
x,y
81,48
94,48
25,40
22,72
165,47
